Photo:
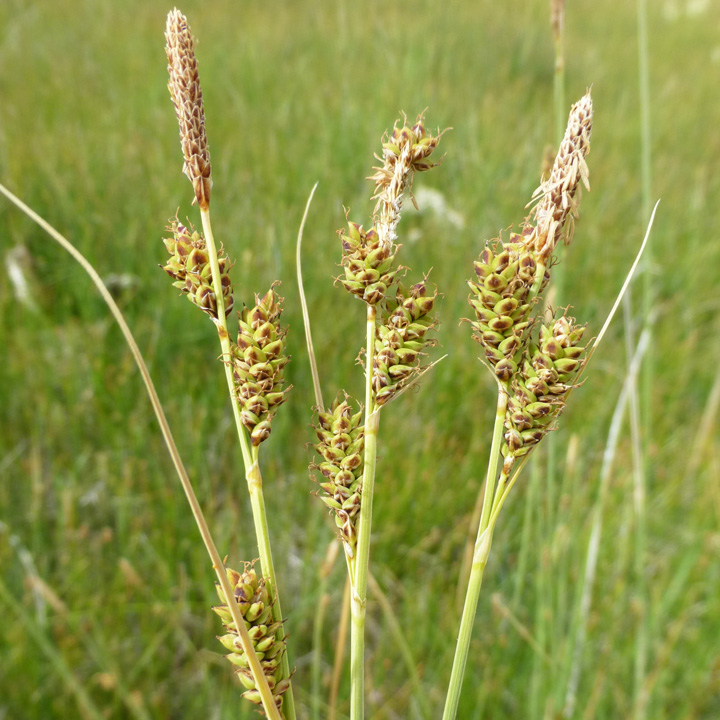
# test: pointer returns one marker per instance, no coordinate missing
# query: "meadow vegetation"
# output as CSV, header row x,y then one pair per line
x,y
105,586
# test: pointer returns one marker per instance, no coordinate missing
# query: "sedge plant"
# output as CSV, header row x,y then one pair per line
x,y
398,321
534,357
253,364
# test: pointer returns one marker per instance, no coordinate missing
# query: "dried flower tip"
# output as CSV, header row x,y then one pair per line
x,y
184,86
557,18
405,152
559,195
189,266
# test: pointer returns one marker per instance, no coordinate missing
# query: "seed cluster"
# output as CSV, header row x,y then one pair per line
x,y
400,340
368,265
189,266
255,606
258,360
341,435
540,388
501,299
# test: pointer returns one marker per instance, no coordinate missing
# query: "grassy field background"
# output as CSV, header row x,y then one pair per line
x,y
105,588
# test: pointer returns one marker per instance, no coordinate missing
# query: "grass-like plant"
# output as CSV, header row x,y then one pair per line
x,y
398,322
534,359
253,366
534,355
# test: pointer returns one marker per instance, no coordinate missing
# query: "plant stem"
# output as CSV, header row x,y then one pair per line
x,y
318,623
224,336
648,370
340,649
362,561
502,403
218,566
250,459
480,556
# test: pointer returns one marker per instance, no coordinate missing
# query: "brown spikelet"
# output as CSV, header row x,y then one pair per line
x,y
405,152
559,195
184,86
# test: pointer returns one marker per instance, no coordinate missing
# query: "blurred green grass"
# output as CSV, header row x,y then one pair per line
x,y
294,94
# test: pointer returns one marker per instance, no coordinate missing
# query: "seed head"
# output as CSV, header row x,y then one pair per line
x,y
341,435
184,86
401,339
538,394
256,608
189,265
258,359
405,152
559,196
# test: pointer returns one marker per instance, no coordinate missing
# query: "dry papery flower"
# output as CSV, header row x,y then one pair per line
x,y
186,94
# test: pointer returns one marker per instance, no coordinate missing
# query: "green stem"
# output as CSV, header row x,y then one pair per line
x,y
480,556
362,560
648,371
262,534
224,336
502,403
250,459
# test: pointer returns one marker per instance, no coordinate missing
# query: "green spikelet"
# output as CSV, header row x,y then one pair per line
x,y
341,446
258,360
189,266
501,300
254,603
369,269
400,340
538,394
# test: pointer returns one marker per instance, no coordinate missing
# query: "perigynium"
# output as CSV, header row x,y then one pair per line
x,y
534,361
397,325
253,363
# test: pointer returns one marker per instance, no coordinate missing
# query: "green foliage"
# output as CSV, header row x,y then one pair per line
x,y
88,500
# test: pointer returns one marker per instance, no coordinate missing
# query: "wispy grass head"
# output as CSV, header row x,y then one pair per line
x,y
405,151
553,218
186,94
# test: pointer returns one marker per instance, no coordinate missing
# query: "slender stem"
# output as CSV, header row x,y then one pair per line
x,y
262,534
303,306
250,459
480,556
319,622
224,336
340,650
362,561
502,403
648,371
218,566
